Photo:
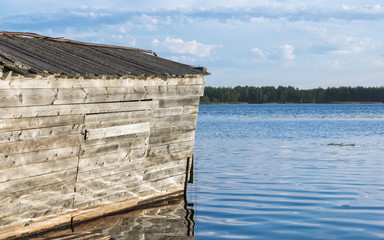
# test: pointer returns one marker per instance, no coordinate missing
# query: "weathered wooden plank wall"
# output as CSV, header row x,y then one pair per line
x,y
139,134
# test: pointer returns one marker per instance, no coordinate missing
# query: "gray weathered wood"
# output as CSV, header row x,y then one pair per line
x,y
37,202
39,133
93,95
114,131
181,146
23,184
50,96
174,120
76,109
156,159
171,111
102,147
108,171
98,188
159,131
18,83
158,151
37,169
39,122
166,166
26,97
140,133
190,90
86,202
117,119
23,159
179,101
162,186
112,159
172,138
34,145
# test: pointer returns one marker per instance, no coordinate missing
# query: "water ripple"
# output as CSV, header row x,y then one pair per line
x,y
289,172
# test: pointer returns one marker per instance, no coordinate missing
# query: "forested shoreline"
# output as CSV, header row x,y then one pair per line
x,y
269,94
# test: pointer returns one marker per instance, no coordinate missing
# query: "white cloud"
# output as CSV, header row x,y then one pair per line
x,y
346,7
341,51
146,22
90,12
377,7
287,52
258,52
127,40
283,52
142,21
124,24
184,59
77,34
180,46
351,44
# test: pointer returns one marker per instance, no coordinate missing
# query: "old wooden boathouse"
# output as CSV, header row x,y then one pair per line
x,y
89,129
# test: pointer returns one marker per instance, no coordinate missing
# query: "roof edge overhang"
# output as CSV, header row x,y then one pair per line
x,y
64,40
8,63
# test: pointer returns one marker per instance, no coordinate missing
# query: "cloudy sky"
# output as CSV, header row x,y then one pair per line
x,y
306,44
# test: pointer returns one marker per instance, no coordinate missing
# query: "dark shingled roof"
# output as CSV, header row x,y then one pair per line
x,y
36,54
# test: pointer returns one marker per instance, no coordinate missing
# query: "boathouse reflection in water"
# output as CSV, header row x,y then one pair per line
x,y
169,219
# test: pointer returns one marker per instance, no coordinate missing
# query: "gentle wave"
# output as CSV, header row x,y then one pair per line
x,y
313,177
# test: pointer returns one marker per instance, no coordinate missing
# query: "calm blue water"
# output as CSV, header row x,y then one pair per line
x,y
289,172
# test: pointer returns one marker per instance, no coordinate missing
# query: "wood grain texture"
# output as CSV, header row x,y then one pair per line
x,y
156,159
178,101
94,95
117,119
98,133
26,97
112,159
165,170
140,132
60,96
103,146
33,145
175,120
29,134
158,151
162,187
190,90
37,202
108,171
102,190
23,159
171,111
17,124
76,109
14,82
27,183
37,169
172,138
174,129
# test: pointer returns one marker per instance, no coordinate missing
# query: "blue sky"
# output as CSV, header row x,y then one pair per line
x,y
306,44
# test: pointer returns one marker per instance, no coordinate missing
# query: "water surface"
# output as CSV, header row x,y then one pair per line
x,y
289,172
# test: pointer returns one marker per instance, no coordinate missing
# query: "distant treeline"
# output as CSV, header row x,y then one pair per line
x,y
291,95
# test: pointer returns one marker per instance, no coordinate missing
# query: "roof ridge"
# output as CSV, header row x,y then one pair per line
x,y
60,39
